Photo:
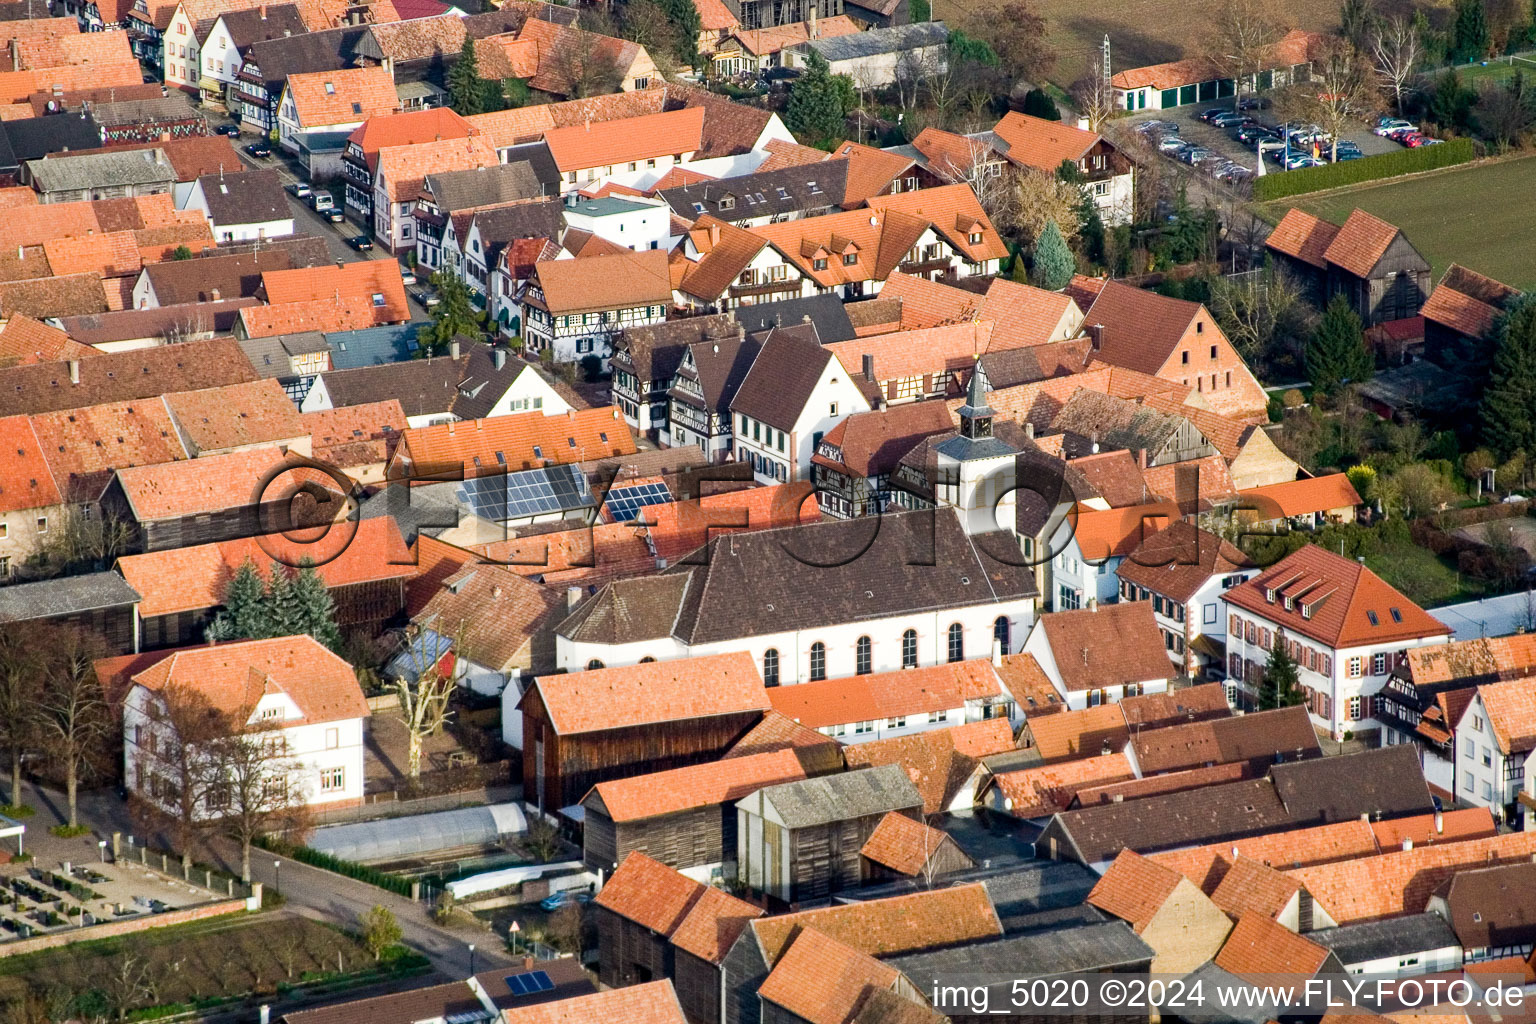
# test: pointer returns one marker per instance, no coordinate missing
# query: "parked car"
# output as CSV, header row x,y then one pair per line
x,y
407,276
1171,145
1387,125
334,215
322,201
362,243
227,129
1254,103
1194,154
1250,133
1230,120
1296,161
426,297
298,190
1208,116
564,898
1413,140
1348,151
259,150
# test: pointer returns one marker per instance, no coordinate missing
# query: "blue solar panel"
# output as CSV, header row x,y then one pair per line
x,y
528,984
624,503
533,492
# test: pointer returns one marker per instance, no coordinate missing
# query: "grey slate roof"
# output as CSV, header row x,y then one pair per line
x,y
392,343
500,225
34,137
64,173
1392,936
482,384
330,50
804,189
251,197
67,595
826,312
133,324
802,577
1090,947
485,186
424,386
830,798
1231,1011
872,42
1385,783
270,356
655,350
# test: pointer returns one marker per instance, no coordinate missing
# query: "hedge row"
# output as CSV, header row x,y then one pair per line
x,y
1353,172
351,869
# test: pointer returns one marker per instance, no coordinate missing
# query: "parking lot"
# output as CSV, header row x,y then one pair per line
x,y
1230,160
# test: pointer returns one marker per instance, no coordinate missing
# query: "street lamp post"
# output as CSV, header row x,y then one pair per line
x,y
471,959
101,847
277,877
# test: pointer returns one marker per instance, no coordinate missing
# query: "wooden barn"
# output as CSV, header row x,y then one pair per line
x,y
100,602
685,817
801,840
1365,259
584,728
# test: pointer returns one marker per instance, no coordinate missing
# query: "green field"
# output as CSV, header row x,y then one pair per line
x,y
1477,216
1496,70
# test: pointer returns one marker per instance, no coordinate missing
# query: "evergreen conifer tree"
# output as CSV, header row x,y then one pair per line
x,y
1337,351
1054,263
466,93
1509,401
1281,684
815,110
315,608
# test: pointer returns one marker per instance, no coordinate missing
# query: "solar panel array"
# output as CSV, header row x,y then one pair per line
x,y
532,492
530,983
624,503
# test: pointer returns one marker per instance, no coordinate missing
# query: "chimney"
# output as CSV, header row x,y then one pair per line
x,y
453,349
1118,798
499,358
528,963
1096,334
213,295
1407,843
1082,124
572,598
496,591
1141,458
714,235
812,32
262,10
1439,823
1093,604
1105,749
869,367
1029,430
997,652
74,371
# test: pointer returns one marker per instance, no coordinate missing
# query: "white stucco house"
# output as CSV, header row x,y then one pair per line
x,y
1345,627
1089,545
288,690
1493,744
242,207
1101,654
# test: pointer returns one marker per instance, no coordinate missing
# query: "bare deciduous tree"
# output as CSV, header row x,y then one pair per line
x,y
257,786
424,701
1240,44
585,66
1339,89
1396,51
72,709
1094,96
183,724
1257,310
20,663
1043,198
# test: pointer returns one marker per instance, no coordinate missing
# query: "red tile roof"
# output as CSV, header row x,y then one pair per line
x,y
1423,829
713,925
1260,946
1333,600
892,925
954,212
823,981
344,96
938,761
603,143
762,42
235,416
1134,888
870,171
1252,887
1302,236
1301,497
649,893
607,281
651,693
681,789
652,1002
26,341
217,482
1261,736
26,482
405,129
926,303
918,691
902,844
355,435
83,446
1041,144
362,279
492,613
953,347
1109,645
195,578
520,441
1048,789
678,528
1322,844
1511,707
1361,243
1168,782
1075,734
1104,533
235,676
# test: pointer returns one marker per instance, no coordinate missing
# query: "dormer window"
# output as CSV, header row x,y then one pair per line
x,y
819,264
850,258
378,298
1269,594
728,203
974,237
357,108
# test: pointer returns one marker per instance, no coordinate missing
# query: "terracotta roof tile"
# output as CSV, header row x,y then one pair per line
x,y
113,254
1461,313
234,676
1252,887
916,691
714,16
938,761
503,128
818,753
651,693
951,156
902,844
355,435
892,925
762,42
916,353
782,154
1302,236
1070,735
1423,829
872,443
26,341
235,415
1322,844
406,129
1301,497
649,893
83,446
520,441
402,168
195,578
1083,290
954,212
1107,646
606,282
725,250
926,303
1134,888
1511,707
1041,144
1156,785
681,789
1346,604
590,554
49,297
677,528
870,171
360,280
25,479
491,612
215,483
602,143
1025,315
1039,792
649,1003
713,925
1031,688
344,96
1401,882
1260,946
1260,737
350,313
1195,486
1361,242
823,981
1107,533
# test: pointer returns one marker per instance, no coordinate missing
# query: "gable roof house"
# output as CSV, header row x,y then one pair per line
x,y
765,197
1042,145
67,178
854,460
1178,341
293,683
1166,909
1346,627
138,374
800,840
352,296
559,60
1501,720
319,110
583,728
1365,259
242,207
872,56
1460,311
573,308
1101,654
398,175
1198,80
360,157
628,150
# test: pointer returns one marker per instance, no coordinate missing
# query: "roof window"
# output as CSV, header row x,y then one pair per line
x,y
330,88
378,298
1397,615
